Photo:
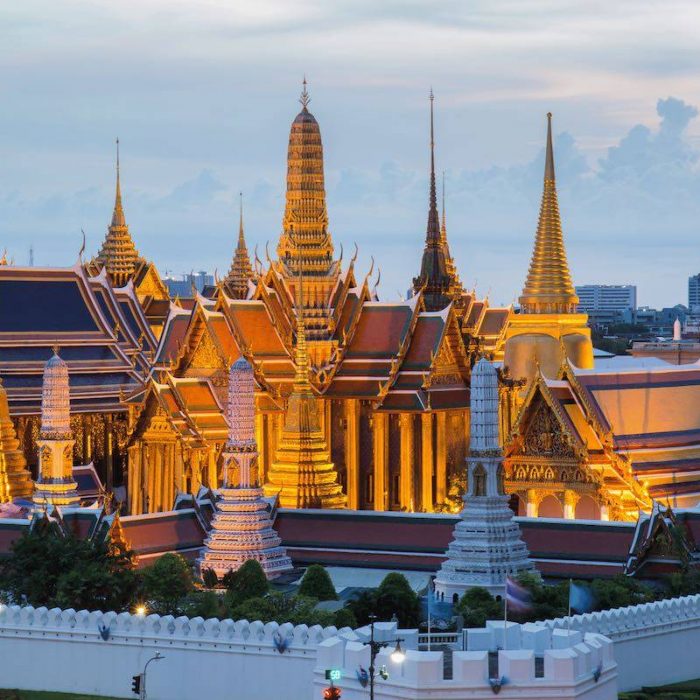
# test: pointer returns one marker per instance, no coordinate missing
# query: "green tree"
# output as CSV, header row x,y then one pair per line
x,y
247,582
477,605
282,607
317,584
46,568
344,618
394,596
206,604
209,578
166,583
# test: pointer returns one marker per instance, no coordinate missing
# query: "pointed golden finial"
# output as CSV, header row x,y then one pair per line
x,y
3,259
118,218
549,154
241,239
305,98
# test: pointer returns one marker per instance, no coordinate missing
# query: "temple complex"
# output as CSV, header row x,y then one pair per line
x,y
487,546
242,528
379,388
360,403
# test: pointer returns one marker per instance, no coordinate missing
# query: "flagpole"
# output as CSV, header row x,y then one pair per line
x,y
430,598
505,614
568,619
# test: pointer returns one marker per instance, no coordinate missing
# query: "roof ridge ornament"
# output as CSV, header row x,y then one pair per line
x,y
304,98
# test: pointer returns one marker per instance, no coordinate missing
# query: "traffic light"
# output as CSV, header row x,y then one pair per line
x,y
136,684
331,693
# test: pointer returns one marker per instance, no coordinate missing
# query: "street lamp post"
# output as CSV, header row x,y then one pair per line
x,y
157,657
374,648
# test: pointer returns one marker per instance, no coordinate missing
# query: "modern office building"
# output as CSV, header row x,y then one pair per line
x,y
694,293
607,303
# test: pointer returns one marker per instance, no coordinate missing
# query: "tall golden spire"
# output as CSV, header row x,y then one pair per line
x,y
548,288
118,253
241,270
305,243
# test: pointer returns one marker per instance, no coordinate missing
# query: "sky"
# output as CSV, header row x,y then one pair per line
x,y
201,95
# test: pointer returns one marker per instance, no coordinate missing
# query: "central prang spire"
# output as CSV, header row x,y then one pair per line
x,y
305,244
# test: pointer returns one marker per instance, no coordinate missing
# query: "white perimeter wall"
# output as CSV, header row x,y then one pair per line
x,y
209,660
655,643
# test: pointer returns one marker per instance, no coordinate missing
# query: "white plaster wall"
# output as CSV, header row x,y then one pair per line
x,y
575,666
63,651
655,643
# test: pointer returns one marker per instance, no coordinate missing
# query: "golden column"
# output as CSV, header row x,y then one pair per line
x,y
352,452
427,462
441,458
407,498
381,459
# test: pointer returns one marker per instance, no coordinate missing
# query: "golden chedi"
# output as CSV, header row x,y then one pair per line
x,y
15,479
302,474
548,328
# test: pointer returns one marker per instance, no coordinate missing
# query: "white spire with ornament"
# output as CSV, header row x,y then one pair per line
x,y
487,546
242,528
55,484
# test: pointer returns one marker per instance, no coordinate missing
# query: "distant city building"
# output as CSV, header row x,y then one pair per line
x,y
182,287
694,293
607,303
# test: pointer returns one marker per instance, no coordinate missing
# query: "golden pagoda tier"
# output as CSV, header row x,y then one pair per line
x,y
15,479
548,328
301,473
305,246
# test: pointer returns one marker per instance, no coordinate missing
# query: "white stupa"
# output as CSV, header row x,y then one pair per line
x,y
55,484
241,528
677,330
487,546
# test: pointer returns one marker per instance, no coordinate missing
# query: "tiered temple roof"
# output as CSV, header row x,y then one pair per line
x,y
639,430
104,337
